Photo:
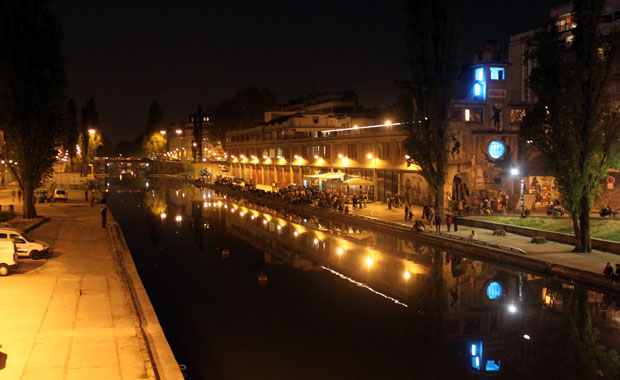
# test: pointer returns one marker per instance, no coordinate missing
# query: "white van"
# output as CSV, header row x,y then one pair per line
x,y
26,246
61,195
8,257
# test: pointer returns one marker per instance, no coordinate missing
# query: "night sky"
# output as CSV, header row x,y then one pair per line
x,y
184,53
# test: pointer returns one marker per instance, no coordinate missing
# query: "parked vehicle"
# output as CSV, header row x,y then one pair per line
x,y
40,195
8,257
25,245
61,195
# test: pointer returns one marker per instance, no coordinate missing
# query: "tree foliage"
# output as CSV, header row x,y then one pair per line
x,y
574,124
244,109
432,59
32,91
71,134
154,140
90,121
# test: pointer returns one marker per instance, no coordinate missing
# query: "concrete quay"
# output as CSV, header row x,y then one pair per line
x,y
82,313
551,258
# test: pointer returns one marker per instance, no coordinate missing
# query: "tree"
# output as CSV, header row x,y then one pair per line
x,y
244,109
432,59
32,92
88,132
155,141
71,133
573,124
197,146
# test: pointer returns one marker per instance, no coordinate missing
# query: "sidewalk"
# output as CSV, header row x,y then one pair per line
x,y
551,252
70,316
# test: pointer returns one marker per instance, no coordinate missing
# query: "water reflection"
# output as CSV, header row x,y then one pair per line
x,y
463,316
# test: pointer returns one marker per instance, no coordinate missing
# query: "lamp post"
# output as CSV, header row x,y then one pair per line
x,y
515,172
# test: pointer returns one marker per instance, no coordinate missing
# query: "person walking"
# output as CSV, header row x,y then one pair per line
x,y
86,195
455,221
389,202
104,216
406,211
410,215
448,221
438,222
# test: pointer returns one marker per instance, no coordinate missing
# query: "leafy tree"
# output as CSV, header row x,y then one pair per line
x,y
32,92
71,134
155,141
432,59
573,124
244,109
198,132
90,121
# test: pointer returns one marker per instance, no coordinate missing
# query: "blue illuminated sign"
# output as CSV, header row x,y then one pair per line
x,y
494,291
479,362
496,149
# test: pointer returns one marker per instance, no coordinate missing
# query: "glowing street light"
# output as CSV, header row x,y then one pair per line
x,y
162,132
91,131
406,275
178,131
369,156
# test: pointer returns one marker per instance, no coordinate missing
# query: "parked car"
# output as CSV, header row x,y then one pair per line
x,y
40,195
61,195
25,245
8,257
224,168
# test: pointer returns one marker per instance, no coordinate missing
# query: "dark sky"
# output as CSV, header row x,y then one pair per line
x,y
184,53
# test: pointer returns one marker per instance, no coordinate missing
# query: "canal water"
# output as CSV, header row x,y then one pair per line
x,y
243,291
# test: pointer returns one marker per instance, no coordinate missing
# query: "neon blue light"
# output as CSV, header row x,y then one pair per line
x,y
496,149
494,291
492,366
473,350
497,73
476,354
477,89
475,362
480,85
479,74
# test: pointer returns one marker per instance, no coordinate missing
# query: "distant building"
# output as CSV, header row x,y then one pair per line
x,y
181,137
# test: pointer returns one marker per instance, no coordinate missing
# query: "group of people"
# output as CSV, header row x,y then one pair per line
x,y
429,215
610,274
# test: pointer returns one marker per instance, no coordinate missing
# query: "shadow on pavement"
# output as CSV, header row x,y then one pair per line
x,y
26,266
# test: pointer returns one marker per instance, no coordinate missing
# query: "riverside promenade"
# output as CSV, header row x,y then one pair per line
x,y
551,257
82,313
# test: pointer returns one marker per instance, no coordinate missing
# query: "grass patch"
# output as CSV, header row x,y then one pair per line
x,y
608,229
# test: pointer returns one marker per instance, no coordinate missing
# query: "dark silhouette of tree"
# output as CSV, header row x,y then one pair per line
x,y
432,59
574,124
32,98
154,140
90,120
71,134
198,132
244,109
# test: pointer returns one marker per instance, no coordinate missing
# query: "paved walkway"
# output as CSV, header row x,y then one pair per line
x,y
552,252
69,316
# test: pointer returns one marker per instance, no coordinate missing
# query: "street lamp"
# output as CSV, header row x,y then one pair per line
x,y
91,131
515,172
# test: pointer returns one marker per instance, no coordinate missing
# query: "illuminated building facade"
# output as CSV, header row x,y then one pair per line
x,y
180,141
314,143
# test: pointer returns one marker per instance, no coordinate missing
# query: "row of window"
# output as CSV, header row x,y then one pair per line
x,y
474,114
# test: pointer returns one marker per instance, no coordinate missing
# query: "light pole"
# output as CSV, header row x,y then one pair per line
x,y
515,172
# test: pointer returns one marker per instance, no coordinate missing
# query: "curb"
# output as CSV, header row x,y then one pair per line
x,y
160,363
37,224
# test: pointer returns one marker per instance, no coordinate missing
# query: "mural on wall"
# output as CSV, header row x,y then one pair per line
x,y
414,189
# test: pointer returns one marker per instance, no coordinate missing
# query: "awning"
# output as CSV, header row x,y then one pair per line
x,y
326,176
358,182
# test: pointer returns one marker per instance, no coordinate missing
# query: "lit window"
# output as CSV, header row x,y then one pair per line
x,y
497,73
467,114
480,74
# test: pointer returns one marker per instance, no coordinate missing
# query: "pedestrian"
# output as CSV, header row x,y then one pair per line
x,y
389,201
13,195
448,221
473,236
617,274
19,195
104,215
86,195
455,221
424,212
406,211
438,222
410,215
609,272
